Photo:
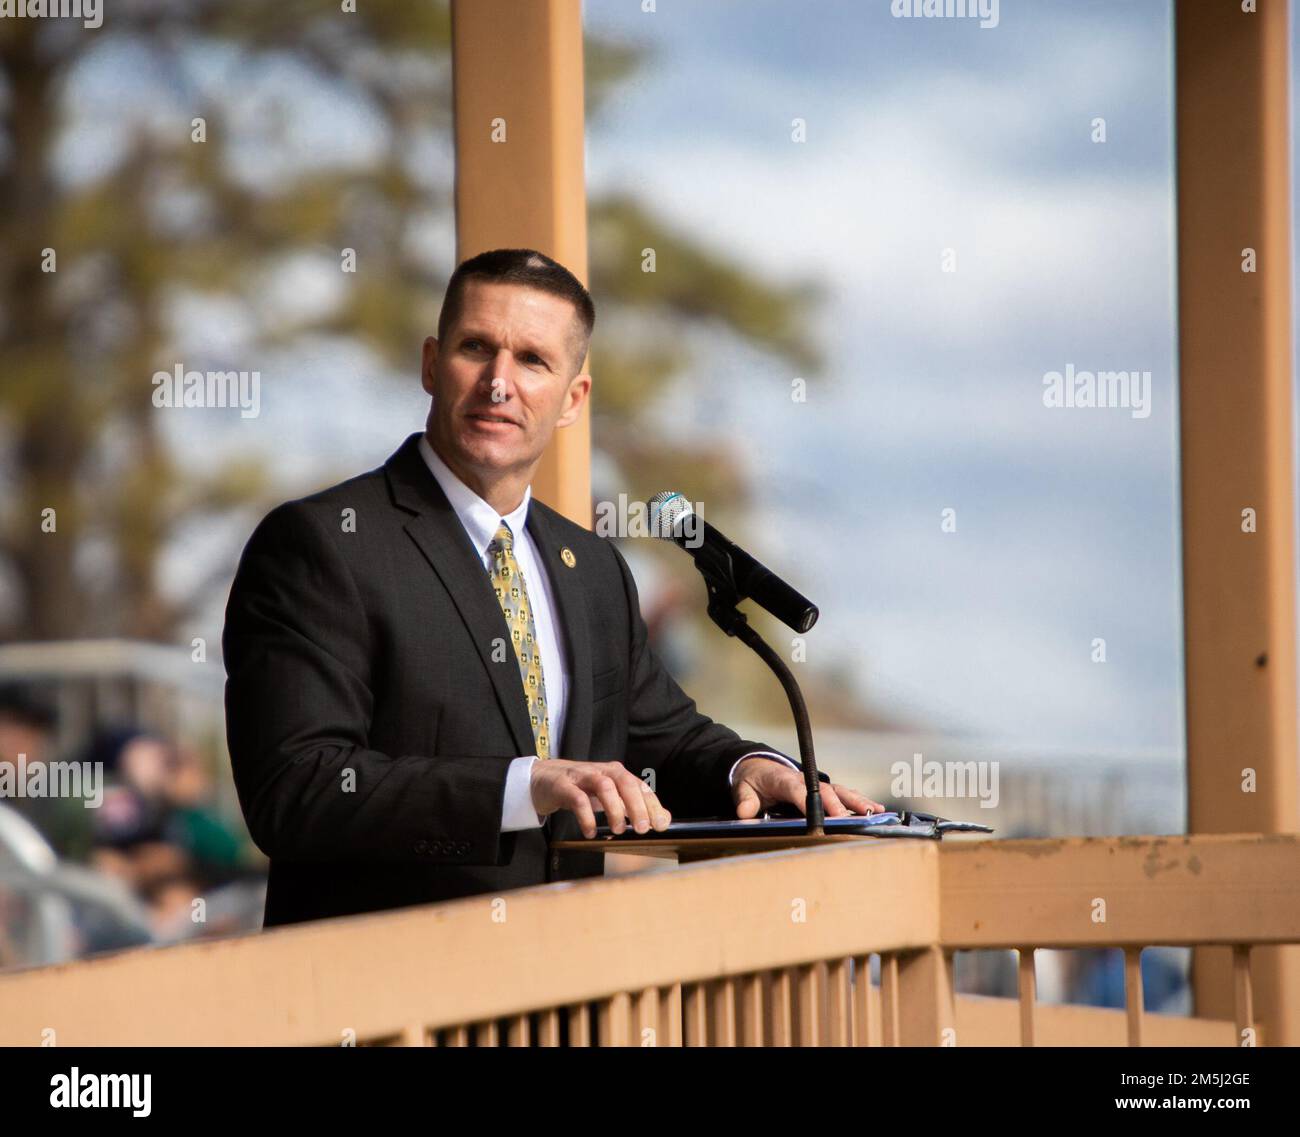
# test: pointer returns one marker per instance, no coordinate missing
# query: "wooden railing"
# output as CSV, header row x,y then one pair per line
x,y
769,949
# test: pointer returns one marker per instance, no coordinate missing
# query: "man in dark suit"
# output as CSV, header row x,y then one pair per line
x,y
431,675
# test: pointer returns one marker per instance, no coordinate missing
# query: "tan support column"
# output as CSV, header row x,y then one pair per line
x,y
517,78
1235,353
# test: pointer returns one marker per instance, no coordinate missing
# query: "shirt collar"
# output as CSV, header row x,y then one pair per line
x,y
480,520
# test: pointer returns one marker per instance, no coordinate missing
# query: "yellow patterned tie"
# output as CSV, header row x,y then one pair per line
x,y
512,595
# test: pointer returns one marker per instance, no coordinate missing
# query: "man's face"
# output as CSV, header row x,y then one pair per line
x,y
503,378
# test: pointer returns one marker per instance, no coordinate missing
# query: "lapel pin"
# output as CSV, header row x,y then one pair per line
x,y
566,555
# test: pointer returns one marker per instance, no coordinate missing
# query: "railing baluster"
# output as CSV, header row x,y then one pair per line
x,y
646,1017
518,1032
670,1015
414,1035
1242,991
1133,993
579,1025
767,981
694,1014
812,1016
1028,996
548,1027
781,1008
822,995
862,1000
924,1011
752,1011
458,1036
840,1018
722,1012
486,1034
889,998
615,1020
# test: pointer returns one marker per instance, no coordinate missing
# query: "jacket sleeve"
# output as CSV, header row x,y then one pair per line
x,y
298,651
690,754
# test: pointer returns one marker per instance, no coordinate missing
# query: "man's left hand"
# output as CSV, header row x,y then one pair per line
x,y
761,783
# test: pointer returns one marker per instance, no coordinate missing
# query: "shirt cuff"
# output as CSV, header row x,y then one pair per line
x,y
731,776
517,810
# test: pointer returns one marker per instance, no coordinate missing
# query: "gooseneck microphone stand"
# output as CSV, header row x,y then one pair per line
x,y
723,611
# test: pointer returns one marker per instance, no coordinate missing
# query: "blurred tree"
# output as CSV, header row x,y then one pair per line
x,y
168,217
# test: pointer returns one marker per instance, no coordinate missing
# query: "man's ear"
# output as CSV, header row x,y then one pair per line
x,y
574,397
428,357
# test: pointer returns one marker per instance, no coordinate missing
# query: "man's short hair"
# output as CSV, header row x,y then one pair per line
x,y
526,267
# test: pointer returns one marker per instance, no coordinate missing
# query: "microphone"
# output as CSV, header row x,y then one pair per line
x,y
727,565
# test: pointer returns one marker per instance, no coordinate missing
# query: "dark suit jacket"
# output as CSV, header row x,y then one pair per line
x,y
370,729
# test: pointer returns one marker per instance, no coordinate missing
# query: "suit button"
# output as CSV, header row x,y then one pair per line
x,y
555,862
421,846
463,848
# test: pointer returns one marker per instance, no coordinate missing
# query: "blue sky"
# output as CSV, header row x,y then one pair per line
x,y
925,135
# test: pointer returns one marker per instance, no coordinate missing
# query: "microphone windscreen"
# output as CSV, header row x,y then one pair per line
x,y
666,510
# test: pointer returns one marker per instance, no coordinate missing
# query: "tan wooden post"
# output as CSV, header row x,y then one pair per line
x,y
1235,362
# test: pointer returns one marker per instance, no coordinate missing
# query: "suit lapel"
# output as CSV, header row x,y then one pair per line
x,y
571,599
440,537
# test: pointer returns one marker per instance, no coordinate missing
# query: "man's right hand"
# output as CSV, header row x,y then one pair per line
x,y
558,783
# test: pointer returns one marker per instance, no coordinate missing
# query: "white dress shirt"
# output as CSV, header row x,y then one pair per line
x,y
481,521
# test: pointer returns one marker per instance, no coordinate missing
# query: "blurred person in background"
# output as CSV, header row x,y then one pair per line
x,y
27,736
51,907
127,872
155,830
